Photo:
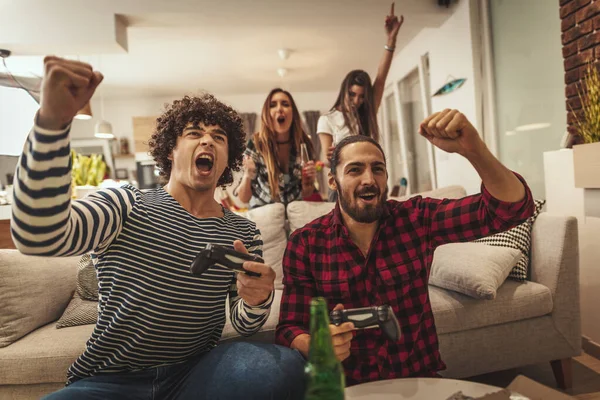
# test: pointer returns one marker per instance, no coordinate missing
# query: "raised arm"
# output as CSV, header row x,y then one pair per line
x,y
505,200
325,133
452,132
392,26
44,219
244,190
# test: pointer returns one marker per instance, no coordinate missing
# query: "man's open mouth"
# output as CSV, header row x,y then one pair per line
x,y
205,162
367,196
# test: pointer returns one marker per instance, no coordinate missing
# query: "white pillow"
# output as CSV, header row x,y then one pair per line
x,y
474,269
301,213
270,219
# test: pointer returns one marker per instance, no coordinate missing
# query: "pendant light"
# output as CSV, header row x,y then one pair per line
x,y
86,112
103,128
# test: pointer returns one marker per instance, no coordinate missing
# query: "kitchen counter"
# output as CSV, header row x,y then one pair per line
x,y
5,238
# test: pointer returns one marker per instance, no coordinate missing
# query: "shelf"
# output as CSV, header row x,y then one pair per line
x,y
586,158
116,156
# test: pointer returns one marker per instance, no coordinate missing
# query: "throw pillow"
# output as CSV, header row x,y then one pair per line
x,y
518,238
474,269
87,281
34,291
83,308
78,312
270,219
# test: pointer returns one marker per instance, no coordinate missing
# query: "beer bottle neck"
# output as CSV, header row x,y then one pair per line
x,y
321,346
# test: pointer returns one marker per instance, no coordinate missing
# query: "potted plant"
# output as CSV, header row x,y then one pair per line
x,y
586,157
86,174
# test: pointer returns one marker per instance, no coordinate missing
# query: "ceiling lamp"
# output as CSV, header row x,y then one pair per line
x,y
103,128
85,112
284,54
282,72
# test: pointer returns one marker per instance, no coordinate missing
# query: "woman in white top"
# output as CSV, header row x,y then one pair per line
x,y
355,110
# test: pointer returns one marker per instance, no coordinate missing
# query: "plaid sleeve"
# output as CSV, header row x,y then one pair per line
x,y
298,290
251,150
473,217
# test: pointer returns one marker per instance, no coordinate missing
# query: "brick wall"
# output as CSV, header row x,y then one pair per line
x,y
580,25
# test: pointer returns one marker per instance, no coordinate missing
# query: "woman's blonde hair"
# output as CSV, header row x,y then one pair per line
x,y
265,140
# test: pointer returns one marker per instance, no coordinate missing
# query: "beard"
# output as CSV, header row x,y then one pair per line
x,y
364,214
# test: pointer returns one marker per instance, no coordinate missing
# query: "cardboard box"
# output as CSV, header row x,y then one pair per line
x,y
536,391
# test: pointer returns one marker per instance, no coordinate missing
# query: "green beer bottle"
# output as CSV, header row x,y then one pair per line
x,y
324,372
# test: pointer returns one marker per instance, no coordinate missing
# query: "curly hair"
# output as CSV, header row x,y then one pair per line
x,y
208,110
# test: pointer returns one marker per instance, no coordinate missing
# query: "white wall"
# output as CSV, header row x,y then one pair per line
x,y
451,54
17,111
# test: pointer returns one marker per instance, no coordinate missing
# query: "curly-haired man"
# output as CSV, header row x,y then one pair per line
x,y
158,326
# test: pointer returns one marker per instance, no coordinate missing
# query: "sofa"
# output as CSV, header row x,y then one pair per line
x,y
528,322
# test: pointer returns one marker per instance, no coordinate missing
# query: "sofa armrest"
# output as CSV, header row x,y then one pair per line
x,y
555,264
33,292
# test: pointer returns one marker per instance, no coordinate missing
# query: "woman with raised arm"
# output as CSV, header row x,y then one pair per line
x,y
355,110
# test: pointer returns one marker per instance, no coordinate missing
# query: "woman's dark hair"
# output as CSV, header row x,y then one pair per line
x,y
205,109
335,158
361,121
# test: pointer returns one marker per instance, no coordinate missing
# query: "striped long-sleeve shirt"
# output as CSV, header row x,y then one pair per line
x,y
151,310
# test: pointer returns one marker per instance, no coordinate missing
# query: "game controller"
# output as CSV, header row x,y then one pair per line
x,y
370,317
213,254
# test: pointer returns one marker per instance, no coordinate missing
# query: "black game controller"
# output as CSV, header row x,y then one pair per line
x,y
213,254
370,317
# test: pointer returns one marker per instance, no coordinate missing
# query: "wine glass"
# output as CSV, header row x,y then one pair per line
x,y
304,158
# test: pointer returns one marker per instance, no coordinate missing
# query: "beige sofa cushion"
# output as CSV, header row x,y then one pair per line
x,y
301,213
43,356
33,292
270,219
474,269
515,301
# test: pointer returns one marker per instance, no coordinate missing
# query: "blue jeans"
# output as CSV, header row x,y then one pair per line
x,y
239,370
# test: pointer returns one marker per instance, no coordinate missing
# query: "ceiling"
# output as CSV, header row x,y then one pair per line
x,y
170,47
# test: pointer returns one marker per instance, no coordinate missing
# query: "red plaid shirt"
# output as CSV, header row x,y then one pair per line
x,y
322,260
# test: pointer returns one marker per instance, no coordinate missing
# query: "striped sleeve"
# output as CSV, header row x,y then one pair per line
x,y
247,319
45,221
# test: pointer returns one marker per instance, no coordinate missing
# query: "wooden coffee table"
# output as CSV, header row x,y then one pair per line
x,y
416,389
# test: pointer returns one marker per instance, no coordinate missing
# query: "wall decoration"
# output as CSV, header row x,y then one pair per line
x,y
450,87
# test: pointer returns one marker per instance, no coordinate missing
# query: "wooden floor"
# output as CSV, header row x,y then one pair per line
x,y
586,377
